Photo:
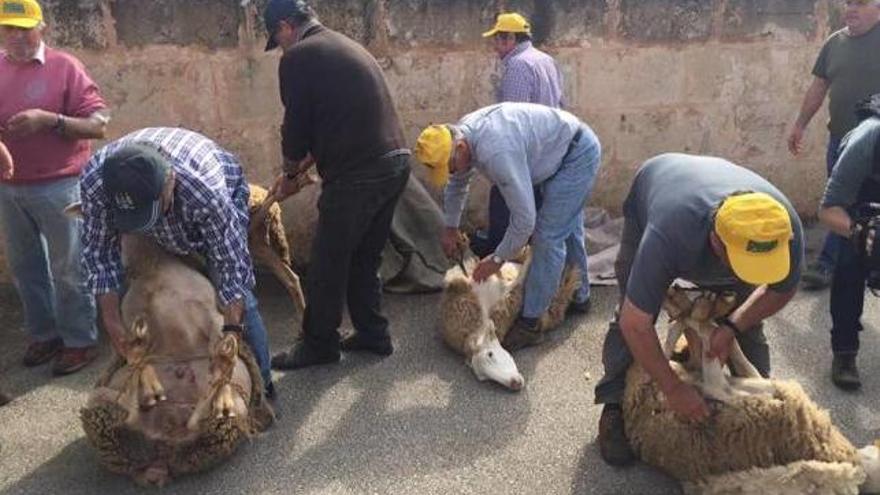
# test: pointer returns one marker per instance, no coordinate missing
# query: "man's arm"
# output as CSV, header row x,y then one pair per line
x,y
762,303
36,120
297,111
836,219
109,311
811,104
638,330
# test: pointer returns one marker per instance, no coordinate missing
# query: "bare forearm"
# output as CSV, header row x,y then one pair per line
x,y
837,220
108,309
762,303
92,127
812,102
233,312
641,338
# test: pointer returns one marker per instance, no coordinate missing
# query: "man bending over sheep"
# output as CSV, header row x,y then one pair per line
x,y
189,195
518,146
713,223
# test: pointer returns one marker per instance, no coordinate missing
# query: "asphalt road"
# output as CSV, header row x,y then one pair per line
x,y
416,422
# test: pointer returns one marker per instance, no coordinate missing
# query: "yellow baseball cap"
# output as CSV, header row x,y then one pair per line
x,y
25,14
434,149
509,23
755,229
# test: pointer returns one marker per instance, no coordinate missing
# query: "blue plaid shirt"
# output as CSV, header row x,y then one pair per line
x,y
531,76
208,216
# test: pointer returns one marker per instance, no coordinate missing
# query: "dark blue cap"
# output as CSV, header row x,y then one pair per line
x,y
279,10
134,177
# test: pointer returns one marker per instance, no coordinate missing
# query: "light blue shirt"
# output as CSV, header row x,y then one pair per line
x,y
516,146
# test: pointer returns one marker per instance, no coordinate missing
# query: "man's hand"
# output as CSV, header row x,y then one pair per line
x,y
686,401
286,187
28,122
485,269
292,167
795,139
7,165
720,343
449,240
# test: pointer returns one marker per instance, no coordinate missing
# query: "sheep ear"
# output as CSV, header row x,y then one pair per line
x,y
74,210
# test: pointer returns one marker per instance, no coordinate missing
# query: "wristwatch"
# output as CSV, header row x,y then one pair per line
x,y
726,322
496,259
235,328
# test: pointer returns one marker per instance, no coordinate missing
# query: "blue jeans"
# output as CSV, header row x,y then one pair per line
x,y
254,330
558,239
831,247
847,300
43,251
255,335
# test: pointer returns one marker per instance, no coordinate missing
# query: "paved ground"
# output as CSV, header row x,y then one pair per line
x,y
417,422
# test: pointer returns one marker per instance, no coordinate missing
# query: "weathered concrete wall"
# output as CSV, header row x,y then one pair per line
x,y
721,77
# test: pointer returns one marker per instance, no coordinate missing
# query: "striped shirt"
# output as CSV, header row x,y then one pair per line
x,y
208,215
531,76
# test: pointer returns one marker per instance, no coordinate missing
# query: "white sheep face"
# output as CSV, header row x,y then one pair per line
x,y
870,457
493,362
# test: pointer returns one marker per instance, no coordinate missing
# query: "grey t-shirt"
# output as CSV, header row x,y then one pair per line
x,y
851,66
855,165
671,203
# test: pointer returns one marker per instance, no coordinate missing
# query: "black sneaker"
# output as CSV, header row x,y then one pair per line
x,y
613,444
844,373
578,308
301,356
354,343
270,391
522,334
817,276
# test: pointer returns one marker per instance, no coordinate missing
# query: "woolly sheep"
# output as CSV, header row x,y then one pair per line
x,y
766,437
176,351
474,318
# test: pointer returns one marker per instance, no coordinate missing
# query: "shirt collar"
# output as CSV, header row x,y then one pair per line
x,y
39,55
521,47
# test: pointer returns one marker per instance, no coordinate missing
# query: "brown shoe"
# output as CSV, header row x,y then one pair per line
x,y
613,444
73,359
38,353
522,334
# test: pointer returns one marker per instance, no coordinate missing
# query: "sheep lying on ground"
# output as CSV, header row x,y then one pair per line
x,y
474,318
766,436
184,395
268,245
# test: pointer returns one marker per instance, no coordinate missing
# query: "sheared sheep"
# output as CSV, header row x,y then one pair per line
x,y
184,395
765,436
268,244
474,318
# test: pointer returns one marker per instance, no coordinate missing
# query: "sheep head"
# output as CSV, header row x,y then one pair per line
x,y
493,362
870,460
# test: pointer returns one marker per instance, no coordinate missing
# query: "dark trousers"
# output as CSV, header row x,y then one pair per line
x,y
847,300
354,222
616,356
831,246
499,219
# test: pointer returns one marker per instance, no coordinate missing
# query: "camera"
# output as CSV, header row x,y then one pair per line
x,y
868,243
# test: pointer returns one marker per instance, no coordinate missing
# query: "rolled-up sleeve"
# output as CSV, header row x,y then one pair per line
x,y
101,259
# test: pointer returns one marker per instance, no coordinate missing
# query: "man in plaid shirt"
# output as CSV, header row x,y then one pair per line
x,y
189,195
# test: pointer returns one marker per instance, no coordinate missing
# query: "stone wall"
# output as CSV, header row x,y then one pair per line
x,y
721,77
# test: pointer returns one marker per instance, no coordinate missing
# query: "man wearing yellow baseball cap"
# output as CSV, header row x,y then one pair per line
x,y
713,223
49,110
519,146
524,73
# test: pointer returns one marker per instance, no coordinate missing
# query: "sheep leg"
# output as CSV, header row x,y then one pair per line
x,y
224,402
151,388
740,363
672,335
714,382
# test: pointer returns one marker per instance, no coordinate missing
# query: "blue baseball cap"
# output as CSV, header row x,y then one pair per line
x,y
134,177
279,10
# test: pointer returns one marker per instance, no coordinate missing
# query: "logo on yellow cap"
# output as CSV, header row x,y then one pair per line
x,y
25,14
509,23
755,229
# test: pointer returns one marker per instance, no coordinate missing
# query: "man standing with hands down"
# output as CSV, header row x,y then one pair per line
x,y
713,223
518,146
